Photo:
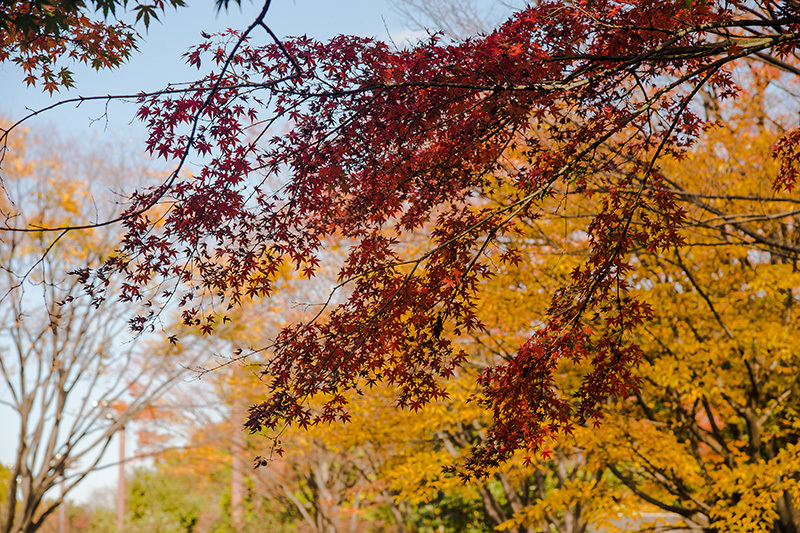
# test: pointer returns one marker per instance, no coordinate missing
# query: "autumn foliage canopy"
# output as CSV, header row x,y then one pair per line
x,y
305,143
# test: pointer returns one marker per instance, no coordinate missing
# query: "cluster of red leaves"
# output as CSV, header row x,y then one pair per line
x,y
382,145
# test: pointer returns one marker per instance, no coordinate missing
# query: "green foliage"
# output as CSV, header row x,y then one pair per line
x,y
172,498
164,503
450,512
101,520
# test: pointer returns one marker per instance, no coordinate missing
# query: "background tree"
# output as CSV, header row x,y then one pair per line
x,y
164,503
712,433
457,19
385,470
714,412
67,373
319,487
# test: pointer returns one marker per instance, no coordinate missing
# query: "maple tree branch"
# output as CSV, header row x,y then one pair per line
x,y
684,193
792,250
628,482
170,90
526,200
747,217
418,261
687,272
774,61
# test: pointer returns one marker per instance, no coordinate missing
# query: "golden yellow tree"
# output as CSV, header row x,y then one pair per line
x,y
712,433
708,441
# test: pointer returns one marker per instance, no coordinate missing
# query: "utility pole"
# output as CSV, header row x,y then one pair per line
x,y
121,483
62,507
236,466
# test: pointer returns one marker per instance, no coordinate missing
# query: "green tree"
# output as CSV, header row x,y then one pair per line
x,y
165,503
